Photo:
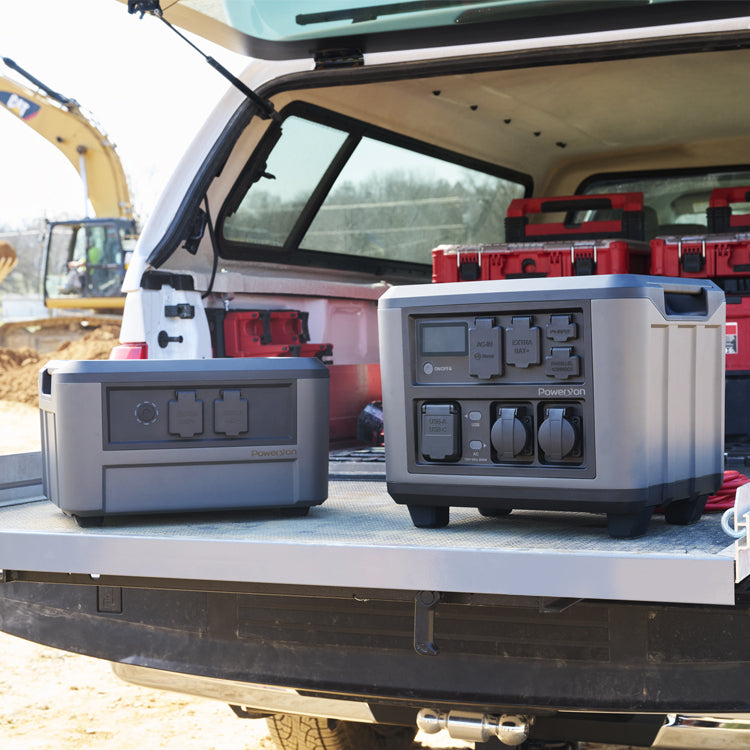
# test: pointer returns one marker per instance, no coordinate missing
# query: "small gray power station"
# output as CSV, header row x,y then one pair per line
x,y
593,393
164,436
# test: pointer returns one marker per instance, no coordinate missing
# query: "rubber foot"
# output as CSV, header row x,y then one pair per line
x,y
685,512
629,525
429,516
89,522
494,512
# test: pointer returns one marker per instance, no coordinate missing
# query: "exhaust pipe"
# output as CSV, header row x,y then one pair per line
x,y
725,732
475,727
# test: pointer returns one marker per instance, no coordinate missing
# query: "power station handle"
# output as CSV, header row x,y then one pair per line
x,y
680,302
45,382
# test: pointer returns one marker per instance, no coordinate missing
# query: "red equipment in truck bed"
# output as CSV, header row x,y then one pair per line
x,y
529,260
269,333
706,256
568,248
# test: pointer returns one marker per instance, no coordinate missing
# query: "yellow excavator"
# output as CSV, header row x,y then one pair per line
x,y
84,259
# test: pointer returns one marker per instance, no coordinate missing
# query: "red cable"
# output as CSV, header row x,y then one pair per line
x,y
724,498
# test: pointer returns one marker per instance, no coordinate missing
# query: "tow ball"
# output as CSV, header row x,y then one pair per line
x,y
476,727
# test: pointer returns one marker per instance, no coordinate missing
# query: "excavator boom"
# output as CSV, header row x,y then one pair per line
x,y
61,121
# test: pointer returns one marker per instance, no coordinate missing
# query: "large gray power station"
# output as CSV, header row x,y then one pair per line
x,y
593,393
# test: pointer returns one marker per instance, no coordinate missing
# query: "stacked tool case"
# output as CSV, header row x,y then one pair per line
x,y
568,248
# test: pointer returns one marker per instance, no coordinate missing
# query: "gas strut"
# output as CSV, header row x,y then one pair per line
x,y
153,8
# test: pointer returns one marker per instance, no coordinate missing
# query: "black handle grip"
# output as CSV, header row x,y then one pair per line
x,y
584,204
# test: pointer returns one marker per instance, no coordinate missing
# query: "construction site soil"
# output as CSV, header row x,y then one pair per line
x,y
19,368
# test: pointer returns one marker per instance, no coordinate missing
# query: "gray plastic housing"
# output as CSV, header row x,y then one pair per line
x,y
164,436
595,393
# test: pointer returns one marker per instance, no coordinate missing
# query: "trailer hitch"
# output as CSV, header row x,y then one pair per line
x,y
467,726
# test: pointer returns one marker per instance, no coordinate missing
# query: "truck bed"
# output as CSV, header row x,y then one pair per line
x,y
360,538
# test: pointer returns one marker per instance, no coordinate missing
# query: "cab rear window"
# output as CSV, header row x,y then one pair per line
x,y
675,201
334,192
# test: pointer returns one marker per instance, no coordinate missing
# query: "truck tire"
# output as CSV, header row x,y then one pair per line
x,y
291,732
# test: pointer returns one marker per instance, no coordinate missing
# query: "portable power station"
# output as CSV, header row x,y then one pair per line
x,y
590,393
165,436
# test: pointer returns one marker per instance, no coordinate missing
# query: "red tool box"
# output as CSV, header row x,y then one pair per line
x,y
720,215
629,224
599,246
269,333
702,256
738,333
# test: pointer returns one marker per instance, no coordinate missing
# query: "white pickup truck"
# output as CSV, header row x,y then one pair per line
x,y
361,137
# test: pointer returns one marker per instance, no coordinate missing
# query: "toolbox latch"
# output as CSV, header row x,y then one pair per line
x,y
585,263
691,260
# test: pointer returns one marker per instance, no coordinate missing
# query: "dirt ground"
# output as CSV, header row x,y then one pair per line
x,y
54,700
19,368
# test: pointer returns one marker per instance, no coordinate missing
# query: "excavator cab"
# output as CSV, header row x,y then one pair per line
x,y
85,262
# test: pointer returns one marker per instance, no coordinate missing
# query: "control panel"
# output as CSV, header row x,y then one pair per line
x,y
184,416
503,389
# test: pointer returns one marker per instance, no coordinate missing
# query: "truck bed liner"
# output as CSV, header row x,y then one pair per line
x,y
360,538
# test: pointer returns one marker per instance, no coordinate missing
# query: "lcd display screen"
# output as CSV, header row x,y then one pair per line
x,y
447,339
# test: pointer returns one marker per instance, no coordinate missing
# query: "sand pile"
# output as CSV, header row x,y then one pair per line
x,y
19,368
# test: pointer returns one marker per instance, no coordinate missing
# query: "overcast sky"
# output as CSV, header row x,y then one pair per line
x,y
145,87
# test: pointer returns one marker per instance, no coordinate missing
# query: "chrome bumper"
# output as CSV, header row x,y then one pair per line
x,y
725,732
679,732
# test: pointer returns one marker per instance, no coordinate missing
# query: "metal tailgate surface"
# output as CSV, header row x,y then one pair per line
x,y
359,538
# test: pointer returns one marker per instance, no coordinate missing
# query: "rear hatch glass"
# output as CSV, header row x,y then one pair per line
x,y
276,29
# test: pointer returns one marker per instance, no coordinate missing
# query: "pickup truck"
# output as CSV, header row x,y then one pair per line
x,y
359,139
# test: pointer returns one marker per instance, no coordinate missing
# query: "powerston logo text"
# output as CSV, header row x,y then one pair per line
x,y
273,453
565,392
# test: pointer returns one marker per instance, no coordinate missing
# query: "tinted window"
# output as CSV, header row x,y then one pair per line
x,y
391,202
268,211
335,195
